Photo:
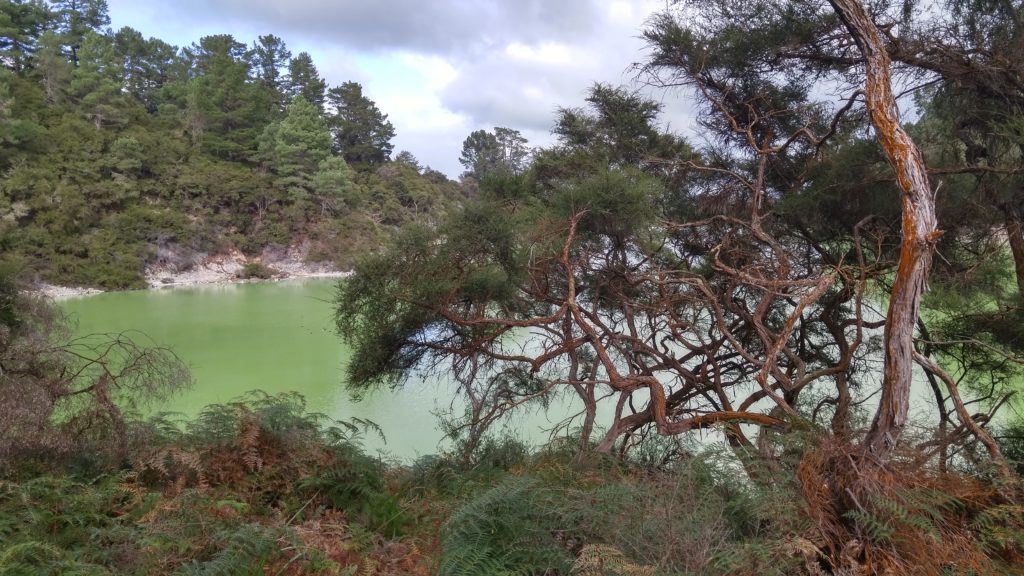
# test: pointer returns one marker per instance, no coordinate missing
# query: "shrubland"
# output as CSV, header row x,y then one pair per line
x,y
740,318
262,485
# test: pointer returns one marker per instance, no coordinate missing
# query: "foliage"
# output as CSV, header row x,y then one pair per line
x,y
502,152
69,400
239,489
362,134
257,271
261,485
118,152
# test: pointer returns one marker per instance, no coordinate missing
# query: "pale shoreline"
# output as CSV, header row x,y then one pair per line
x,y
215,271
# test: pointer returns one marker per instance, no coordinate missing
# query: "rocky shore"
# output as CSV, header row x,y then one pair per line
x,y
220,269
231,268
61,292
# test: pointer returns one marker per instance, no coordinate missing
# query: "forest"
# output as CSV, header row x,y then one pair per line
x,y
795,338
121,152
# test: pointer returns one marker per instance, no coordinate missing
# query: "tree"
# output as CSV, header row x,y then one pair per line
x,y
75,19
15,131
60,394
97,82
978,64
920,229
226,111
407,158
52,69
295,149
271,57
618,127
362,134
297,144
146,65
21,24
304,80
968,53
479,154
503,151
690,283
333,187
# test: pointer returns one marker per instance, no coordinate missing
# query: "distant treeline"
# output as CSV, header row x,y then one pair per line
x,y
115,149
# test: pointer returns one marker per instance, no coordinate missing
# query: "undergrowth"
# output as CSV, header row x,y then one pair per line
x,y
262,486
248,487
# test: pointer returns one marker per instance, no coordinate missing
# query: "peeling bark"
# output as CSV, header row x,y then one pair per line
x,y
920,229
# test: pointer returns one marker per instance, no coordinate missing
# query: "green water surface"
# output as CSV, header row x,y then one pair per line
x,y
274,337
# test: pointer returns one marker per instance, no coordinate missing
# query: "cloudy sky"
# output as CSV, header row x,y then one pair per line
x,y
439,68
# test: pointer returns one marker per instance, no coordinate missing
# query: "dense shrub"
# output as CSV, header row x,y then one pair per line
x,y
257,271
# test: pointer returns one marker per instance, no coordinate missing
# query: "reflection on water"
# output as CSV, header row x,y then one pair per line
x,y
280,337
275,337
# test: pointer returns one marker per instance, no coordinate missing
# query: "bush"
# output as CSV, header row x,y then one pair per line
x,y
256,270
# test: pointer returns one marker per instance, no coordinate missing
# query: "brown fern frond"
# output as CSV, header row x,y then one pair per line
x,y
600,560
249,442
901,517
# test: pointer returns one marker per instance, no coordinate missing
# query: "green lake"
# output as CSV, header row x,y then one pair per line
x,y
276,337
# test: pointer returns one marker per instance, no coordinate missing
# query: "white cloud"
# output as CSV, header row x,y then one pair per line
x,y
439,69
545,54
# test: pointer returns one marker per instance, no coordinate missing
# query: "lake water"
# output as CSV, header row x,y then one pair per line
x,y
276,337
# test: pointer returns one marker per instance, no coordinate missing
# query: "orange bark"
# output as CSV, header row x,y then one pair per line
x,y
920,229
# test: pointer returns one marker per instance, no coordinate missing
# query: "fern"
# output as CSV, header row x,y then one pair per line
x,y
876,528
23,557
248,440
921,511
1001,528
505,530
35,558
597,560
246,551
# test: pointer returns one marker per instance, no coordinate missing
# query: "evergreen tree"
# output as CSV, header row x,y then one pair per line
x,y
362,134
96,82
146,65
409,159
76,18
333,186
21,24
294,149
270,57
479,154
226,110
299,142
502,152
304,80
15,132
52,69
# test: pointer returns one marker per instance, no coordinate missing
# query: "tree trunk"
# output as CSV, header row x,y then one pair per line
x,y
1015,235
919,230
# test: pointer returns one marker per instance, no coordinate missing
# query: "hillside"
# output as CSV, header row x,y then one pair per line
x,y
119,152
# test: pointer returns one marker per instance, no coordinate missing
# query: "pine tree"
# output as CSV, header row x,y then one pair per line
x,y
270,57
230,108
362,134
75,19
96,83
294,150
304,80
21,24
146,65
333,187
